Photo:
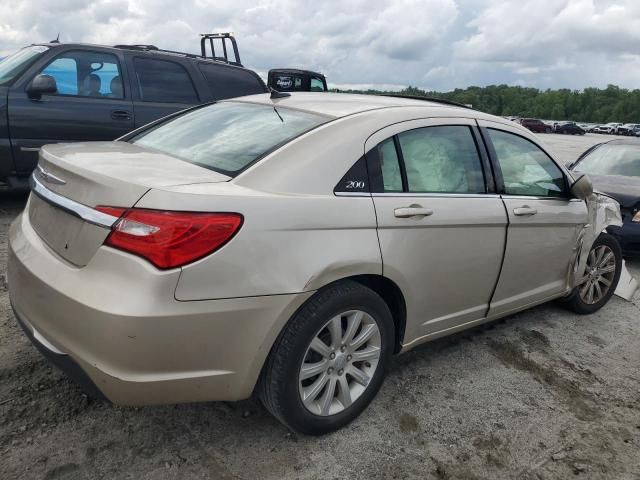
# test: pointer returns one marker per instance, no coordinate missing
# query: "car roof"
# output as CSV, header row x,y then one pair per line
x,y
343,104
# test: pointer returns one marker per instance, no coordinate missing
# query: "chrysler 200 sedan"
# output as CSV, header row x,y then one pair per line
x,y
290,246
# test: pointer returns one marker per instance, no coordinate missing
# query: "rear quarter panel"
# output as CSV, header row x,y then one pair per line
x,y
287,244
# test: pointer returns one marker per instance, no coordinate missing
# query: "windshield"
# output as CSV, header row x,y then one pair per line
x,y
612,159
15,64
227,137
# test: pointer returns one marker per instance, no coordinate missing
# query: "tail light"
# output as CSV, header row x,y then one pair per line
x,y
170,239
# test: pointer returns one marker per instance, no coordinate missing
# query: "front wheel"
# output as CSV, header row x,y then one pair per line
x,y
329,361
604,265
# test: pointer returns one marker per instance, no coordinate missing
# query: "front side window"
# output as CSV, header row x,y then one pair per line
x,y
227,136
441,159
15,64
86,74
164,82
526,169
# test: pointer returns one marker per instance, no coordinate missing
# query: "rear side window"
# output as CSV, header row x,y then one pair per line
x,y
390,166
526,169
163,81
228,136
441,159
228,82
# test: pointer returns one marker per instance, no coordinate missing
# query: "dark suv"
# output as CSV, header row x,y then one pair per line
x,y
56,92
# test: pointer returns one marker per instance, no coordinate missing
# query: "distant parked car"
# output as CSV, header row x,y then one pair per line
x,y
614,169
629,129
536,126
609,128
587,127
55,92
570,128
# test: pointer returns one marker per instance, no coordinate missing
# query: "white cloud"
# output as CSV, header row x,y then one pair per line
x,y
441,43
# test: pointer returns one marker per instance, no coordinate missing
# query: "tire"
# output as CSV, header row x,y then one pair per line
x,y
547,130
281,388
578,300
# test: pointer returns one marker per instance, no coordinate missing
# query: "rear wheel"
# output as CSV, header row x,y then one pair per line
x,y
329,362
602,274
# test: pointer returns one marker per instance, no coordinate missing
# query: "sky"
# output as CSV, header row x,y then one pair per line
x,y
431,44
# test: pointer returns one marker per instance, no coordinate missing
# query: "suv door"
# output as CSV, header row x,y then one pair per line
x,y
160,87
544,221
440,226
92,103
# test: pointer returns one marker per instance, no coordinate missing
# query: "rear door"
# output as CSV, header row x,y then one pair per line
x,y
544,221
92,103
440,225
160,87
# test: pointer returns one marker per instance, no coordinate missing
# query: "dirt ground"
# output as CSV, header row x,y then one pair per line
x,y
544,394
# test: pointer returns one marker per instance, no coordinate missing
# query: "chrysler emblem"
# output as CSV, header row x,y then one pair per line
x,y
49,177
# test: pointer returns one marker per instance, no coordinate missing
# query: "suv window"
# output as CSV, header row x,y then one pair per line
x,y
526,169
164,81
441,159
86,74
228,82
317,85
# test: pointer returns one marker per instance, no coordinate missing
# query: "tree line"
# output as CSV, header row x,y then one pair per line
x,y
593,105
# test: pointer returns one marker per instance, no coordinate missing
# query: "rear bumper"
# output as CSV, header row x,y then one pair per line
x,y
61,360
116,323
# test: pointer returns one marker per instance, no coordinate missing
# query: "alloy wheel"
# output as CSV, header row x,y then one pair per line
x,y
599,275
339,363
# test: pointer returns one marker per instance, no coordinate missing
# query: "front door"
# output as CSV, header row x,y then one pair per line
x,y
441,228
544,221
92,103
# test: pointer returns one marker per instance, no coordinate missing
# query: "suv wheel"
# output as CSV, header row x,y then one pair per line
x,y
604,265
329,362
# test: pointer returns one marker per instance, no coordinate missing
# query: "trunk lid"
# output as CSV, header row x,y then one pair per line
x,y
72,179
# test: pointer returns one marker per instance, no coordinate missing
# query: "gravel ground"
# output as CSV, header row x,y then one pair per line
x,y
540,395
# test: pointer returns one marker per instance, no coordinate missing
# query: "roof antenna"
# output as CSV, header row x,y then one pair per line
x,y
277,94
57,40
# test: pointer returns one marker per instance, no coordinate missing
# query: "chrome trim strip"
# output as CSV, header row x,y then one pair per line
x,y
49,177
533,197
436,195
79,210
29,149
352,194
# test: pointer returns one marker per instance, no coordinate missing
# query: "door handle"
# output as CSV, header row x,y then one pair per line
x,y
524,211
121,115
412,211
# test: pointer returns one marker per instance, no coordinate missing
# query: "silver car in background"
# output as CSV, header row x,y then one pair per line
x,y
291,245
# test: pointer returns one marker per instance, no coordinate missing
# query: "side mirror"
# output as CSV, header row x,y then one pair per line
x,y
40,85
582,188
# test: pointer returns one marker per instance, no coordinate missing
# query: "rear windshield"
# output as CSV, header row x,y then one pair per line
x,y
227,137
612,159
